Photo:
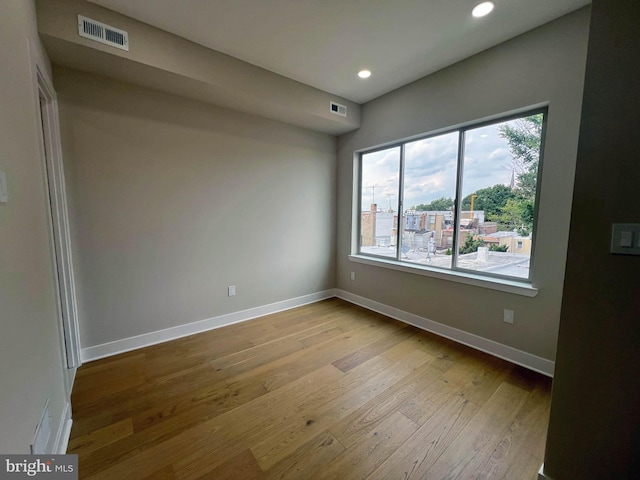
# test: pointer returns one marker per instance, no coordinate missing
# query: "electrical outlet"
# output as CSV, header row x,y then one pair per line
x,y
353,275
508,316
4,197
232,290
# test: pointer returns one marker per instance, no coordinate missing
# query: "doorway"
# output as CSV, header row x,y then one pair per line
x,y
53,169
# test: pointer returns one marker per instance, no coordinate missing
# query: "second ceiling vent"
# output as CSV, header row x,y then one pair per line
x,y
338,109
103,33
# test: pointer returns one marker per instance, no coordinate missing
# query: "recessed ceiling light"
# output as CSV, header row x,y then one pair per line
x,y
482,9
364,73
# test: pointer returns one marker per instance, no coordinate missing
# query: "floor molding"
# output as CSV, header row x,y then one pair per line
x,y
64,431
541,475
519,357
513,355
152,338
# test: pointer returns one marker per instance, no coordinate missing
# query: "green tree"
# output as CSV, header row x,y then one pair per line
x,y
511,208
439,204
498,248
517,215
490,199
471,245
524,139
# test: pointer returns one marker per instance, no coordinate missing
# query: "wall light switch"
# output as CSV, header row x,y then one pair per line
x,y
625,238
232,290
4,195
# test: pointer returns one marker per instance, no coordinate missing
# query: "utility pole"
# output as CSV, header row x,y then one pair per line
x,y
473,199
389,195
373,192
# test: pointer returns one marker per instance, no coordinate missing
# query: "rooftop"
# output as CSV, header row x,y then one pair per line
x,y
501,263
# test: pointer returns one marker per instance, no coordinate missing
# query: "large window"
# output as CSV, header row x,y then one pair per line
x,y
464,200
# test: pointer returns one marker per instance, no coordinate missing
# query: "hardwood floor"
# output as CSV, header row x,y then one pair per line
x,y
325,391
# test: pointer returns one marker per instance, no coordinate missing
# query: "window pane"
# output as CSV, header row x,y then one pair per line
x,y
430,169
499,195
379,202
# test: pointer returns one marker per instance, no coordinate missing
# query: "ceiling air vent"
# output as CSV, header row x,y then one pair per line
x,y
103,33
338,109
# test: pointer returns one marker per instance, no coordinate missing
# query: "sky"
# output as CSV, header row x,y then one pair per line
x,y
430,168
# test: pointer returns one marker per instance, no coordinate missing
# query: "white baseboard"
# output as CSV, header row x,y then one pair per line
x,y
160,336
513,355
64,431
541,475
505,352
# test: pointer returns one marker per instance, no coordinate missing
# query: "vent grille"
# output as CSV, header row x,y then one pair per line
x,y
103,33
338,109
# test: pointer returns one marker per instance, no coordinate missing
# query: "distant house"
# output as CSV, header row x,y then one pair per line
x,y
379,228
516,243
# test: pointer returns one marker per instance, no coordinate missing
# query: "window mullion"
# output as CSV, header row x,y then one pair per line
x,y
457,208
400,205
359,205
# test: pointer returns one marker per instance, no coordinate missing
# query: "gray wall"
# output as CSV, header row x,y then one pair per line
x,y
174,200
30,356
594,429
544,65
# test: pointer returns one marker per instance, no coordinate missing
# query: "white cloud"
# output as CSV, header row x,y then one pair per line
x,y
431,167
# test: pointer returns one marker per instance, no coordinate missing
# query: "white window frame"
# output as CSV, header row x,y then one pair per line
x,y
510,284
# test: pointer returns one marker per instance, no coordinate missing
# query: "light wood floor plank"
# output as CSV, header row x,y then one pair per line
x,y
308,460
366,418
360,356
362,458
328,390
471,450
102,437
282,371
430,441
329,407
242,466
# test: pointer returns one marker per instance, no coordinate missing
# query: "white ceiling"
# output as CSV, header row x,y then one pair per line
x,y
323,43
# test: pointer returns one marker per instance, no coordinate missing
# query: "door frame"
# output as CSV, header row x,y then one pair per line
x,y
54,182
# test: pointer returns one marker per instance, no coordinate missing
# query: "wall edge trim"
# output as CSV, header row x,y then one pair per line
x,y
513,355
64,431
160,336
505,352
541,474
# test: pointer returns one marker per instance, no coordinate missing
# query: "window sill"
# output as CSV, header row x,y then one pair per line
x,y
500,284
